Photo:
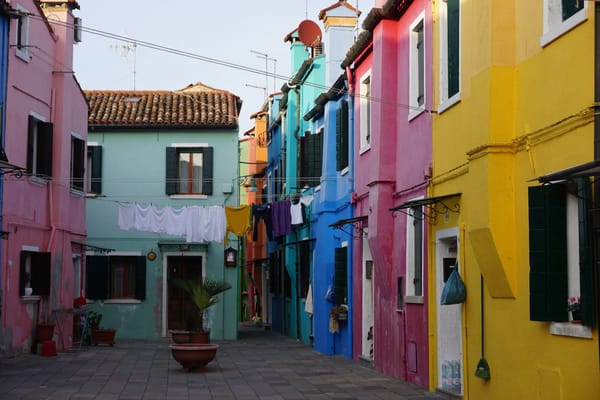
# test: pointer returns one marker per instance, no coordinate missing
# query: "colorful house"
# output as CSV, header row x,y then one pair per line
x,y
515,156
388,69
44,120
165,158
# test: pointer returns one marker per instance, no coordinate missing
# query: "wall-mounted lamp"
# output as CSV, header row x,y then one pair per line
x,y
151,255
230,257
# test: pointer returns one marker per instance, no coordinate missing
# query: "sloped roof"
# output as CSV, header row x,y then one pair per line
x,y
340,3
195,106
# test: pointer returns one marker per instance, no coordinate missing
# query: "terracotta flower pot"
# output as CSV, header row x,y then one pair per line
x,y
194,356
44,332
181,337
103,336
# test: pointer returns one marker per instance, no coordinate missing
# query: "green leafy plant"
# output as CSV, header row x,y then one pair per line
x,y
574,303
203,295
94,319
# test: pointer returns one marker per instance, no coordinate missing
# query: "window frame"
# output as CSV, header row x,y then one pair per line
x,y
342,136
77,163
172,178
99,270
416,57
554,25
447,100
39,146
340,275
365,112
93,170
22,33
415,234
38,265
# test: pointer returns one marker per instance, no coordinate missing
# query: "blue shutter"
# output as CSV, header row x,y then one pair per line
x,y
548,287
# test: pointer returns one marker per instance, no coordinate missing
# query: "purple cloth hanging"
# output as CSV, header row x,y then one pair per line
x,y
282,218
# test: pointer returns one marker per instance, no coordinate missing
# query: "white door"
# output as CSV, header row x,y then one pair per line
x,y
367,300
449,317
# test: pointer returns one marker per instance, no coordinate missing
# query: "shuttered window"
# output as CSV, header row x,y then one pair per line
x,y
549,253
116,277
77,163
35,272
453,27
39,148
94,170
311,159
341,136
189,170
340,279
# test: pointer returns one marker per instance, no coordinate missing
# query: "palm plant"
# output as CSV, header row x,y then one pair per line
x,y
202,293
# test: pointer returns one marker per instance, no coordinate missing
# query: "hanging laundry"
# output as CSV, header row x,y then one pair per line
x,y
282,219
307,200
262,212
126,216
238,220
175,221
141,221
296,213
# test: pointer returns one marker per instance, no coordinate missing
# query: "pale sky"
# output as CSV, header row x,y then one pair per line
x,y
225,31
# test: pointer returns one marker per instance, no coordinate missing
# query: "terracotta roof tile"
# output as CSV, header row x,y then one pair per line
x,y
196,106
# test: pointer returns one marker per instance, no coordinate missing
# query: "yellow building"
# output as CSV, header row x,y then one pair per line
x,y
515,153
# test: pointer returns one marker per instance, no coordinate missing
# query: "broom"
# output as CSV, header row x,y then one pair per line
x,y
483,369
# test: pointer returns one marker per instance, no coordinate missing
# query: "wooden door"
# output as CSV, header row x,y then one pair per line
x,y
180,307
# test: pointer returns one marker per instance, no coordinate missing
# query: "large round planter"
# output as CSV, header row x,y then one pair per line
x,y
103,336
44,332
181,337
194,356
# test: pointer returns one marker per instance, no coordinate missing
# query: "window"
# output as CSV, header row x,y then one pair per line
x,y
560,16
341,136
414,252
93,172
22,31
560,250
340,276
35,272
449,16
311,159
365,113
305,256
77,163
39,147
417,67
189,170
116,277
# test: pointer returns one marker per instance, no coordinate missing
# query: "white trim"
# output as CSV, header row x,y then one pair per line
x,y
409,287
570,329
413,68
188,196
447,102
121,301
92,144
188,145
365,109
34,249
553,28
23,52
76,135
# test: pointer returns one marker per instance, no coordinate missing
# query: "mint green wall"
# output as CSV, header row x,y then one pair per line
x,y
133,171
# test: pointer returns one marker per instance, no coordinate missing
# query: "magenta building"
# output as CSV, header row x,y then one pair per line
x,y
389,68
43,211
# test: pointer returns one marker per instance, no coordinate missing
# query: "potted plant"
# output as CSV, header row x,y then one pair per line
x,y
195,356
99,335
574,307
339,313
203,294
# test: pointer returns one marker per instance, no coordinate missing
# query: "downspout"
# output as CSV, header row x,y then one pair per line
x,y
50,185
597,128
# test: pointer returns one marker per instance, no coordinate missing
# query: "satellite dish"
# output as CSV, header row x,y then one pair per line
x,y
309,33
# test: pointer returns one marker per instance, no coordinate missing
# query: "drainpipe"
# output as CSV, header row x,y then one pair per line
x,y
597,81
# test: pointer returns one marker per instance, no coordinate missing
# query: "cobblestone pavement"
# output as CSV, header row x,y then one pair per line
x,y
260,365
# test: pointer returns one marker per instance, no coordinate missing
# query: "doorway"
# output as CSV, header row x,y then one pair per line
x,y
179,306
450,376
367,300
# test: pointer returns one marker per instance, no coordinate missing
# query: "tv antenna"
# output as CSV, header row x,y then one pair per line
x,y
267,59
126,48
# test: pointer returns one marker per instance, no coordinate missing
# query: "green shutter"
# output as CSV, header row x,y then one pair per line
x,y
340,279
30,141
586,269
548,287
97,277
453,24
41,273
207,170
171,171
570,7
96,173
140,277
78,161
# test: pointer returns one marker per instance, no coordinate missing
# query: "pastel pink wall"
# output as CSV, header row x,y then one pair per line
x,y
388,174
44,215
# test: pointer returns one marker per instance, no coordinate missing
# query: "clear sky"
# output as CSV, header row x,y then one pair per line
x,y
210,33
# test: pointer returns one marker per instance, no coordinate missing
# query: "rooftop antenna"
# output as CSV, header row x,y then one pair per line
x,y
258,87
306,10
267,59
127,47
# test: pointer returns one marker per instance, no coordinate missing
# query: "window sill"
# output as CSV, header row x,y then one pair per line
x,y
414,300
30,299
415,112
22,54
446,104
563,28
77,193
570,329
122,301
365,149
188,196
37,180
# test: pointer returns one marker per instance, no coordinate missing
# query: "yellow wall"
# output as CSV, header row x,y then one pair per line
x,y
524,112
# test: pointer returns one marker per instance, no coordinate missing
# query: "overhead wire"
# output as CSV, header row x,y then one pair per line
x,y
228,64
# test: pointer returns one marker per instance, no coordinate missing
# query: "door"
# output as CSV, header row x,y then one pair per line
x,y
367,300
450,370
181,310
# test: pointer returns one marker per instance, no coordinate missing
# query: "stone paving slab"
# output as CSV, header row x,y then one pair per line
x,y
261,365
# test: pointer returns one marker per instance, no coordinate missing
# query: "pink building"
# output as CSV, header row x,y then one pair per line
x,y
43,211
389,68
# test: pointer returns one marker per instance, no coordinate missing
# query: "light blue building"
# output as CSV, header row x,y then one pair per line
x,y
157,153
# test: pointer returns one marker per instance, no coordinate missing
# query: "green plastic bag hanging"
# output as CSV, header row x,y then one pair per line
x,y
454,291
